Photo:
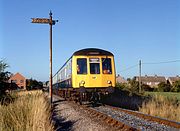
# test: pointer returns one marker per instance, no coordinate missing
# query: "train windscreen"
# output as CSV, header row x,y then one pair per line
x,y
94,65
81,66
106,66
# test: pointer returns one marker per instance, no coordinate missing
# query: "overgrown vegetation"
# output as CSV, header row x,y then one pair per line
x,y
162,106
166,106
132,86
29,111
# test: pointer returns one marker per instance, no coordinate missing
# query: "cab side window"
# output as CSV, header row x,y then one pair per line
x,y
81,66
106,66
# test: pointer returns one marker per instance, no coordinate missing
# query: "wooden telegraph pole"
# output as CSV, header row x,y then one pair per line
x,y
139,76
51,22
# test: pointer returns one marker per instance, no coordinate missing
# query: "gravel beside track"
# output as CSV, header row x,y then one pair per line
x,y
68,117
134,121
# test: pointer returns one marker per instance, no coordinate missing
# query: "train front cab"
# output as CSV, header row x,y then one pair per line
x,y
93,72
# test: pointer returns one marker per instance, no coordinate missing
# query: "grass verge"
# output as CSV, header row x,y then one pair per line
x,y
29,112
162,106
170,95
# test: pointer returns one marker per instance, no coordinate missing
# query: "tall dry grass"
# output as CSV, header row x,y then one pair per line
x,y
29,112
162,107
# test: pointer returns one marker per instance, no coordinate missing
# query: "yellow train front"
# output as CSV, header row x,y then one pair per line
x,y
88,73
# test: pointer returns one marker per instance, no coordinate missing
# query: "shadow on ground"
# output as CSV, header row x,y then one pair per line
x,y
124,99
61,124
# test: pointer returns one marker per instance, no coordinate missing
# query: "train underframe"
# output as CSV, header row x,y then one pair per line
x,y
83,95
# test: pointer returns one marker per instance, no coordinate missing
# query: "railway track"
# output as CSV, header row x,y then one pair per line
x,y
149,117
121,119
131,120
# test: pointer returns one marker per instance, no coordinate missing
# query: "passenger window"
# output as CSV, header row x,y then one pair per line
x,y
81,66
106,66
94,65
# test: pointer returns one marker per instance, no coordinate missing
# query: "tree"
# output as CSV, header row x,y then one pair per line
x,y
4,75
3,66
34,84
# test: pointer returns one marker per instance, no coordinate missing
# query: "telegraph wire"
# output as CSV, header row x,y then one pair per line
x,y
129,68
162,62
149,63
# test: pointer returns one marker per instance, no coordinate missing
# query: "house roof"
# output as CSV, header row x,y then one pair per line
x,y
120,79
173,79
152,78
17,74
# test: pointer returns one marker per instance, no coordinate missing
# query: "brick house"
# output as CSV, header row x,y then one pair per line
x,y
152,81
19,80
173,79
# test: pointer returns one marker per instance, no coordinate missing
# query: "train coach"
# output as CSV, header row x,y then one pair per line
x,y
86,75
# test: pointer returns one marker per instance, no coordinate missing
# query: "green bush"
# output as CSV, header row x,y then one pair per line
x,y
176,86
147,87
164,87
121,85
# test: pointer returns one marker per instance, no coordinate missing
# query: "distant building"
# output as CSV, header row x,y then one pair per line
x,y
152,81
19,80
173,79
120,79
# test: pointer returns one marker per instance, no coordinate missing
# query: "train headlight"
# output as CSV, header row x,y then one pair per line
x,y
82,82
109,82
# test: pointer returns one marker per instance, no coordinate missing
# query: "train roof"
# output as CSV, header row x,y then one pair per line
x,y
88,51
92,51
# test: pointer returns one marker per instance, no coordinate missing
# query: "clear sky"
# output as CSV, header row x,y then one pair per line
x,y
133,30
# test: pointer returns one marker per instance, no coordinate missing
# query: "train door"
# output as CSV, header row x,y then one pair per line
x,y
108,72
81,79
94,70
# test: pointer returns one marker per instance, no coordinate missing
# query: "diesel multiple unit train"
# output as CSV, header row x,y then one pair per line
x,y
86,75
